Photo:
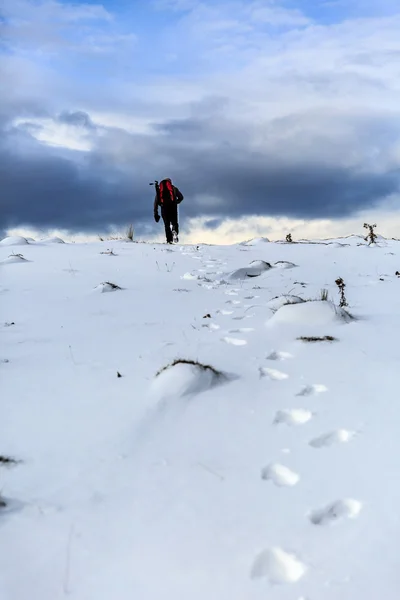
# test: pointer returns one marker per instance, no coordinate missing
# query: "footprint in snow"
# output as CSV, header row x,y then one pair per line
x,y
273,374
278,566
211,326
340,436
225,312
234,341
280,475
232,293
242,330
279,356
341,509
310,390
293,416
241,318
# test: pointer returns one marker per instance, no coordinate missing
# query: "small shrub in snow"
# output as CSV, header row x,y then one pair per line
x,y
341,285
371,237
289,238
130,232
109,252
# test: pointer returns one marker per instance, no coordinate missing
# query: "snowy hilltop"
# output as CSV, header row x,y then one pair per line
x,y
199,422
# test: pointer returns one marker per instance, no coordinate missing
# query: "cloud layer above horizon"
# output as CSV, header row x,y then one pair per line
x,y
254,108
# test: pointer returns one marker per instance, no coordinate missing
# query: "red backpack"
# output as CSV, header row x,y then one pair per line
x,y
166,191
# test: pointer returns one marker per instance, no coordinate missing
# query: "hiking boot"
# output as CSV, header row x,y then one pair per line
x,y
175,237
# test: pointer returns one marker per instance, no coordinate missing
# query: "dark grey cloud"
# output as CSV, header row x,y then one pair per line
x,y
78,118
217,170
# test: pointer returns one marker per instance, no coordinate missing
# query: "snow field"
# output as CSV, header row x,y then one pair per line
x,y
182,482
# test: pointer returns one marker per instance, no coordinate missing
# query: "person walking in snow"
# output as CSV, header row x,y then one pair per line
x,y
168,197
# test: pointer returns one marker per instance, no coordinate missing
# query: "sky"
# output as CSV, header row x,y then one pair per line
x,y
270,116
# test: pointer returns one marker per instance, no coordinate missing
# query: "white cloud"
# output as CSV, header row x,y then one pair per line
x,y
48,26
283,89
233,231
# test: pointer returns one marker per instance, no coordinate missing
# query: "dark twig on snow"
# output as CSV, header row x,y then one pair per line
x,y
8,461
325,338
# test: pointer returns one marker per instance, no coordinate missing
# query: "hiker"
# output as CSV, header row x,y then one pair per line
x,y
168,197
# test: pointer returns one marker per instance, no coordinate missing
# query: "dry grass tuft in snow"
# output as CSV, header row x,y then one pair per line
x,y
279,301
8,461
130,232
311,338
195,363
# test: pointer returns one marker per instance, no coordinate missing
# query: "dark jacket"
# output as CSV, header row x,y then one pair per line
x,y
178,198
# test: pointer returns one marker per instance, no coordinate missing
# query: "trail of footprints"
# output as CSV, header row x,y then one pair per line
x,y
276,564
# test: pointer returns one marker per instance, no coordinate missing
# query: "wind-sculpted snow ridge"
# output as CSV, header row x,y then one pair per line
x,y
14,240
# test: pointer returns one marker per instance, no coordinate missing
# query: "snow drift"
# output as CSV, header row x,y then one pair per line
x,y
186,378
255,269
318,312
14,240
14,259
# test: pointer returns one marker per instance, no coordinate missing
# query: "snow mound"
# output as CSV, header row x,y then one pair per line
x,y
183,378
284,264
14,258
256,241
14,240
279,301
189,277
106,287
53,240
318,312
278,566
255,269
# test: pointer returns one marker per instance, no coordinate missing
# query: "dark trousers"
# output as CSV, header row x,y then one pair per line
x,y
169,213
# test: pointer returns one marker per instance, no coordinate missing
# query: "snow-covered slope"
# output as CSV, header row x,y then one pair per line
x,y
272,472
